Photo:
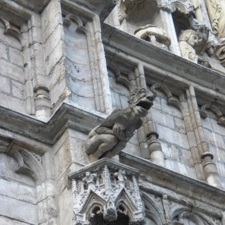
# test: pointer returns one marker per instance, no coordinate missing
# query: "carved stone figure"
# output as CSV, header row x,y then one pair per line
x,y
111,136
157,36
187,40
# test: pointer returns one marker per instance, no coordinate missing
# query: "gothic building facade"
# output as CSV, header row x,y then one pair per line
x,y
66,66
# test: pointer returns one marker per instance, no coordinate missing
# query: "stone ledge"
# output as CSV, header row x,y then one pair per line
x,y
176,182
100,7
163,60
67,116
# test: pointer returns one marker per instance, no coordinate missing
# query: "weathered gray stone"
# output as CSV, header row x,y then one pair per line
x,y
25,212
4,84
18,191
163,118
15,57
11,71
7,221
172,137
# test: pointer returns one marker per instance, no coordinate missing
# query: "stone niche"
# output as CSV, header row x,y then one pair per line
x,y
106,192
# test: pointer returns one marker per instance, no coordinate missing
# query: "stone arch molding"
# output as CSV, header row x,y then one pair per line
x,y
215,110
119,77
106,188
184,6
70,19
10,30
28,162
171,100
153,210
186,216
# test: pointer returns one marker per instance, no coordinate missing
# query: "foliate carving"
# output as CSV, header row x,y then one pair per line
x,y
111,188
156,36
111,136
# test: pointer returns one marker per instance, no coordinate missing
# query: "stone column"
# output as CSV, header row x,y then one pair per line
x,y
212,176
209,167
170,29
42,103
155,149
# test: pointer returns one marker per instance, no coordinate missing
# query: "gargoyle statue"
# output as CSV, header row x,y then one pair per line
x,y
111,136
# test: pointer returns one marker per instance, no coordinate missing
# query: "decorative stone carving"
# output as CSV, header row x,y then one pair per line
x,y
215,110
201,29
210,48
216,15
198,12
109,190
220,52
111,136
10,30
184,6
157,36
187,40
137,11
216,10
28,162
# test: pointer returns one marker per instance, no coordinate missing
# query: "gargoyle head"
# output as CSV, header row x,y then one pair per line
x,y
141,101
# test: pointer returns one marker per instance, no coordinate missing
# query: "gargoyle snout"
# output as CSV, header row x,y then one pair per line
x,y
150,96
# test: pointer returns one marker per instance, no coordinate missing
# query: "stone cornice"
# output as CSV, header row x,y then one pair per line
x,y
67,116
100,7
176,182
170,64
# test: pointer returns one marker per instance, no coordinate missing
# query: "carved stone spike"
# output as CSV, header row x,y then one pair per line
x,y
111,136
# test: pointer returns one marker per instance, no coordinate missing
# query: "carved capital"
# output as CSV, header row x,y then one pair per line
x,y
109,190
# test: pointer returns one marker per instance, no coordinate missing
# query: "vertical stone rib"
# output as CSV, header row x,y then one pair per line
x,y
209,167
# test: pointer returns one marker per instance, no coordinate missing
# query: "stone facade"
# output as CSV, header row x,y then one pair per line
x,y
65,66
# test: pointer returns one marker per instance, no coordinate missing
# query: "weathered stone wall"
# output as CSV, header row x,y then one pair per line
x,y
53,42
78,64
214,134
59,47
12,80
17,195
169,124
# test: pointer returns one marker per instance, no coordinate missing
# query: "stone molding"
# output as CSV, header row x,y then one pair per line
x,y
67,116
185,6
176,183
106,188
163,63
